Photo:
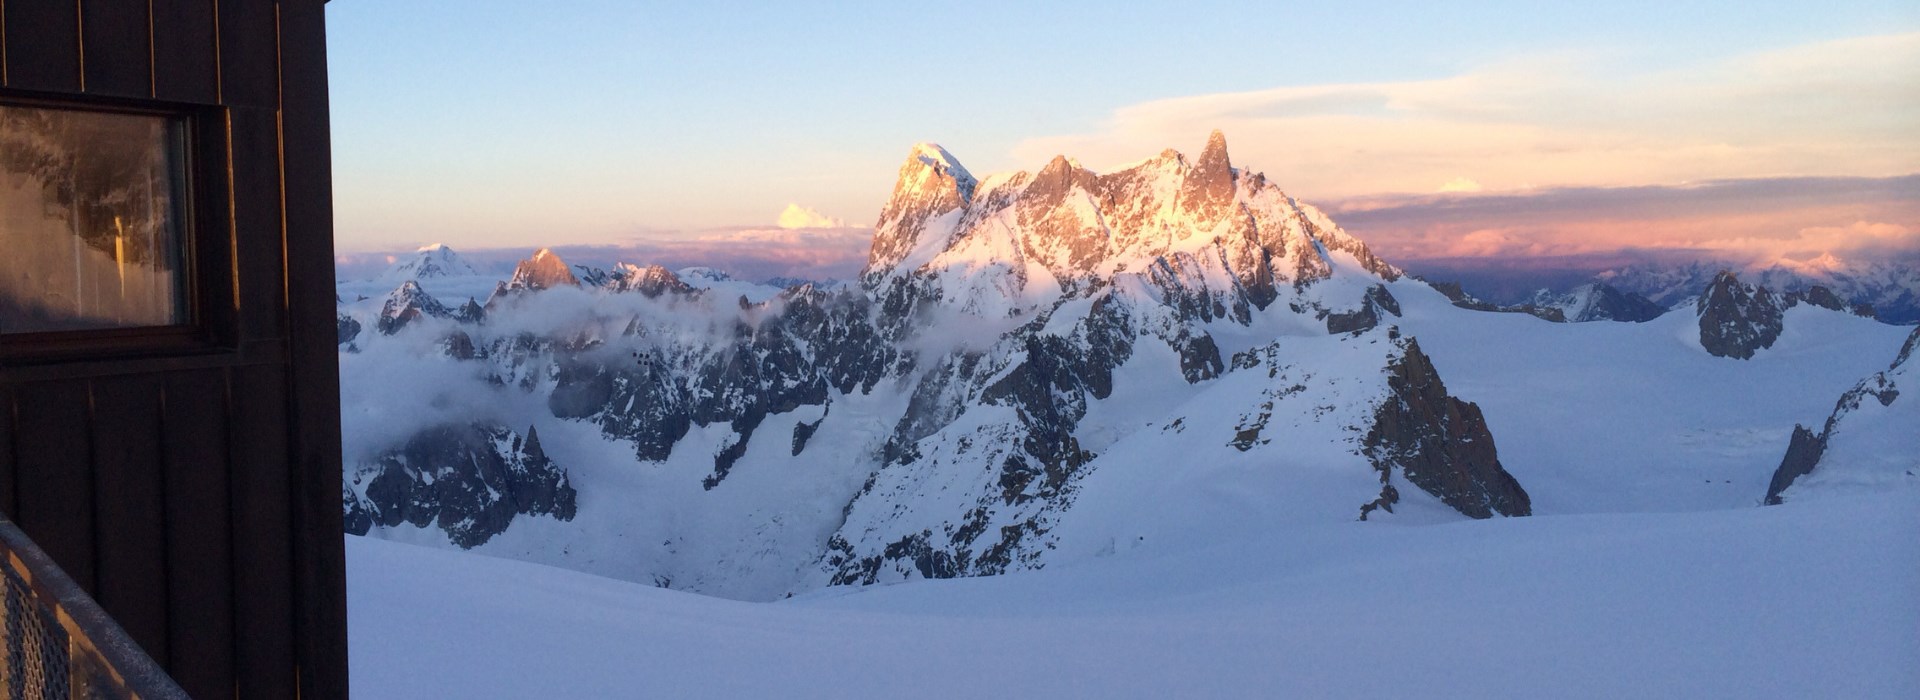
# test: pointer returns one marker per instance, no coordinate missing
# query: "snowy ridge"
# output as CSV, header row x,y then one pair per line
x,y
1870,444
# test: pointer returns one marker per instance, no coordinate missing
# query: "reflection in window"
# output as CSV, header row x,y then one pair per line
x,y
90,220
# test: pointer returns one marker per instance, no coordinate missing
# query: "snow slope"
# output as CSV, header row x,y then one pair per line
x,y
1631,417
1801,600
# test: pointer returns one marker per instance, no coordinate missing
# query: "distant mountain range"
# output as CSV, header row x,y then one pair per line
x,y
1891,286
1043,366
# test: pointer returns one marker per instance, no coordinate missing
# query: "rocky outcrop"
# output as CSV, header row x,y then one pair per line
x,y
1821,296
1736,319
1377,302
349,329
1438,443
407,304
1871,418
470,480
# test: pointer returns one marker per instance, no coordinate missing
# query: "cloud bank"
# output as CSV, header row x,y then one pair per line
x,y
1838,108
1751,220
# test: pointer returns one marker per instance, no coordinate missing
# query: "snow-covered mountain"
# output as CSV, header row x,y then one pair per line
x,y
1890,287
1869,444
1599,301
427,263
468,480
1046,367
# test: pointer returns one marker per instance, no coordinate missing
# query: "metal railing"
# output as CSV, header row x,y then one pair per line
x,y
56,643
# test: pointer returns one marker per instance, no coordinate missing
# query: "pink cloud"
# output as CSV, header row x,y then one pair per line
x,y
1765,219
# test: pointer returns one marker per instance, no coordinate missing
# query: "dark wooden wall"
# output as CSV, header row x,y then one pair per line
x,y
194,492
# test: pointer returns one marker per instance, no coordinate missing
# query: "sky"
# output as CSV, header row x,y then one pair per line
x,y
1428,129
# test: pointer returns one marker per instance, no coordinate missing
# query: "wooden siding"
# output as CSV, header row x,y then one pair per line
x,y
194,492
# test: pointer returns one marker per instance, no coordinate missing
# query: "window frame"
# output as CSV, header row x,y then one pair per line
x,y
206,259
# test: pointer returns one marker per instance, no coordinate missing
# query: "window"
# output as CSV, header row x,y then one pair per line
x,y
92,220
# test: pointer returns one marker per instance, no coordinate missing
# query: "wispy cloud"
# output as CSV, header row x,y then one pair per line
x,y
1843,107
1761,219
750,253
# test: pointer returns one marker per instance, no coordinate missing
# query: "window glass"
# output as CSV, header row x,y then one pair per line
x,y
91,218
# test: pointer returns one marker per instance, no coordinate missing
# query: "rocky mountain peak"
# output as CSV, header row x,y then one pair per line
x,y
545,270
652,280
932,183
1737,319
1020,239
407,303
1439,443
429,262
1208,190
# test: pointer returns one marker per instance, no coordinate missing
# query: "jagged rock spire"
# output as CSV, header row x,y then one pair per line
x,y
932,182
1737,319
544,270
1208,191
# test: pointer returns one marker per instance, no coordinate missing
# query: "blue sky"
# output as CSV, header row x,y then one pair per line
x,y
486,124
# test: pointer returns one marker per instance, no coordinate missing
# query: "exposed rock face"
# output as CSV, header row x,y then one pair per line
x,y
1825,298
818,341
544,270
349,329
1440,443
470,312
469,479
1803,454
1377,302
356,515
407,304
1872,438
1736,319
932,184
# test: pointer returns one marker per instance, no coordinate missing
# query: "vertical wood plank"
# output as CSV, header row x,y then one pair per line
x,y
114,41
129,507
43,45
257,223
262,533
249,54
7,490
54,472
184,45
199,583
320,569
212,242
